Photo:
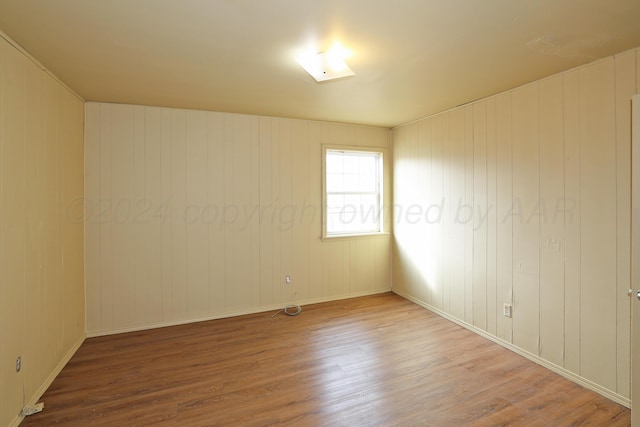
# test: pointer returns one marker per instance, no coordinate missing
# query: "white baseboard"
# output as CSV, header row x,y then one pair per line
x,y
47,382
254,310
534,358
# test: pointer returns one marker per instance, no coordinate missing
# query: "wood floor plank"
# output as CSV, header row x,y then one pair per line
x,y
371,361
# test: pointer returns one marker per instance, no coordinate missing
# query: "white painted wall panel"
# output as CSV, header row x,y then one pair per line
x,y
480,206
456,202
526,218
572,219
504,203
552,246
598,223
119,214
468,213
149,238
13,226
625,81
421,157
197,229
436,227
178,206
41,224
552,160
223,206
491,218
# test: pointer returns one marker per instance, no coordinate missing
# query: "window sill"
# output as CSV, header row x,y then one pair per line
x,y
355,236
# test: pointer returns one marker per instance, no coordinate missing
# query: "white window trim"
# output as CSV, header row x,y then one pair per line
x,y
383,157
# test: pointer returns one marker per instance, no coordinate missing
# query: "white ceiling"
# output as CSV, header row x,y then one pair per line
x,y
412,58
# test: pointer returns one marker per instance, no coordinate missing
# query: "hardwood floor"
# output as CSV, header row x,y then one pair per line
x,y
372,361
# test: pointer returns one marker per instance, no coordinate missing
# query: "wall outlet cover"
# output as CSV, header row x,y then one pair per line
x,y
508,310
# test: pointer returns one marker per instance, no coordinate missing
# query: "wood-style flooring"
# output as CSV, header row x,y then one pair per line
x,y
372,361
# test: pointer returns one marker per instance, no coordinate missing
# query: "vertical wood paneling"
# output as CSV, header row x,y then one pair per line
x,y
266,229
163,210
285,209
197,229
301,216
235,206
103,205
338,256
625,66
273,208
419,156
479,209
598,223
317,284
435,205
457,213
249,297
572,220
123,181
410,234
238,196
5,406
552,159
382,268
33,310
467,214
140,275
323,134
92,225
12,225
526,219
254,211
552,236
491,218
445,217
178,255
41,224
401,277
504,206
213,212
72,234
149,128
51,267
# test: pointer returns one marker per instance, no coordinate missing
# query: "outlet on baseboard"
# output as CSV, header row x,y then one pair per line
x,y
508,310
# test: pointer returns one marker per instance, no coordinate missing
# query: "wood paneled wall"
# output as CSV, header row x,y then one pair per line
x,y
41,244
194,215
524,198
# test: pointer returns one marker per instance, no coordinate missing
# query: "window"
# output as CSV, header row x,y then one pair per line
x,y
352,192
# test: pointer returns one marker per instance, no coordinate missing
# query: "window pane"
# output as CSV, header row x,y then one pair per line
x,y
334,163
353,181
354,212
351,162
335,182
335,202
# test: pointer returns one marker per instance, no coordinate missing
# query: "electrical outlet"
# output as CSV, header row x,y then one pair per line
x,y
287,280
508,310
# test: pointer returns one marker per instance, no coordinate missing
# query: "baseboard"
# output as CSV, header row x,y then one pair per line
x,y
534,358
49,380
254,310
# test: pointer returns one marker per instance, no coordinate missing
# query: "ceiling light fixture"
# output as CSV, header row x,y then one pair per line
x,y
329,65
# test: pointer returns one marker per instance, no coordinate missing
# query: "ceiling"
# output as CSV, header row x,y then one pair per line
x,y
411,58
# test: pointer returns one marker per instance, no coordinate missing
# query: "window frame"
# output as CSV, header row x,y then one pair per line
x,y
381,152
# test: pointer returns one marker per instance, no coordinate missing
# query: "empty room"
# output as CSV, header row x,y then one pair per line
x,y
319,212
